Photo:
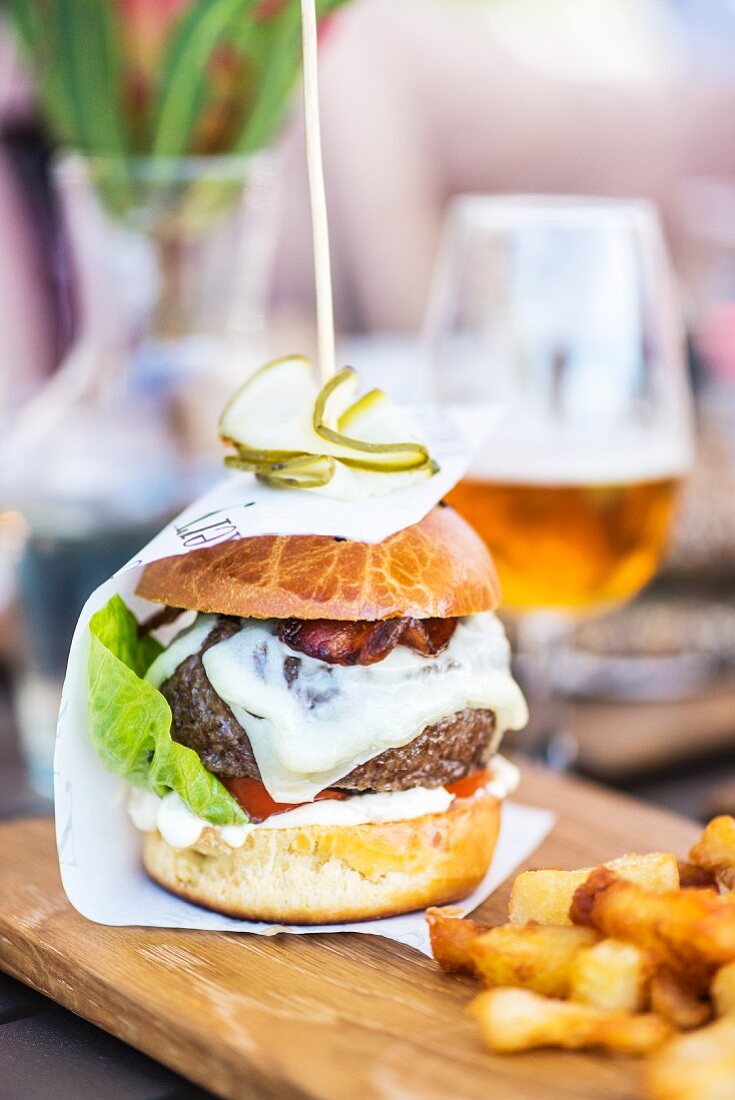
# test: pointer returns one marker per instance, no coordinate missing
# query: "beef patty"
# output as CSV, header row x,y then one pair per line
x,y
440,754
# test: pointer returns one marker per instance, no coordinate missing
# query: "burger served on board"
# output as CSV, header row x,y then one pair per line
x,y
350,699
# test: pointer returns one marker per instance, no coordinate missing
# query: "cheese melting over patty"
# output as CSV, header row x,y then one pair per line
x,y
310,722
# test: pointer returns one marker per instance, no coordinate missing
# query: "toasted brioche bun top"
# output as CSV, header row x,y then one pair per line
x,y
439,568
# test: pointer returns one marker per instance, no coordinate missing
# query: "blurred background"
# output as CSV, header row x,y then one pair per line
x,y
155,246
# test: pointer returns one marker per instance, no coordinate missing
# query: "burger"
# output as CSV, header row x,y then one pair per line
x,y
347,699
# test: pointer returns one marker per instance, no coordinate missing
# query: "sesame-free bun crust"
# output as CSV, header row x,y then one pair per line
x,y
329,875
438,568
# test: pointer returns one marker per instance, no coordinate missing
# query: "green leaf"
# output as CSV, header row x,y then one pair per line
x,y
276,45
185,77
36,27
130,721
116,628
74,46
25,17
276,52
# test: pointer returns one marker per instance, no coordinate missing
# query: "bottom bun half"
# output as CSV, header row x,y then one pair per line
x,y
326,875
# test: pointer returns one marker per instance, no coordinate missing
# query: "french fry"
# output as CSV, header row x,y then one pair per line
x,y
699,1066
513,1020
693,877
691,932
612,975
676,1002
531,956
451,936
545,896
722,990
715,850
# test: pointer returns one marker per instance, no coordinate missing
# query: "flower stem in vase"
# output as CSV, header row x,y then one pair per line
x,y
176,298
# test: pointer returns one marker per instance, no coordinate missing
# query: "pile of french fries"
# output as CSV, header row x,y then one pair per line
x,y
623,957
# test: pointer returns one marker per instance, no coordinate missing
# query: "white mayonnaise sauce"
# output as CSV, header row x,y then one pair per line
x,y
180,828
506,777
310,723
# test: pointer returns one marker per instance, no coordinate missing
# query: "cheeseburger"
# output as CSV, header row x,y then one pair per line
x,y
348,699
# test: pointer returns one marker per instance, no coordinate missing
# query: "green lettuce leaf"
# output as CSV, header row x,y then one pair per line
x,y
130,721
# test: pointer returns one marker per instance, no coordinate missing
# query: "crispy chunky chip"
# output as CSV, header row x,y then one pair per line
x,y
643,932
530,956
676,1002
698,1066
723,990
715,850
545,896
451,937
611,975
693,877
689,931
515,1019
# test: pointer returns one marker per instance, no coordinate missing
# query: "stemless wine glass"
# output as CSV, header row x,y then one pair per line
x,y
563,310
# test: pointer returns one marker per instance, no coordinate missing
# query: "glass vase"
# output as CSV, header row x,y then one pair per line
x,y
170,270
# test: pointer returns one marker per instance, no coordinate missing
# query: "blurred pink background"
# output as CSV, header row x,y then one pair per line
x,y
428,98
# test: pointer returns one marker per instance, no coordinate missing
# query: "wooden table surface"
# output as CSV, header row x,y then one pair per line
x,y
317,1016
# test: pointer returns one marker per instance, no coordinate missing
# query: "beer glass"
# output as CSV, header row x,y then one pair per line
x,y
563,310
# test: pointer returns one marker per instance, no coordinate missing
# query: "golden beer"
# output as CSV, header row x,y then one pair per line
x,y
570,547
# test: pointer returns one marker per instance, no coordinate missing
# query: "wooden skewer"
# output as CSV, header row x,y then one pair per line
x,y
317,196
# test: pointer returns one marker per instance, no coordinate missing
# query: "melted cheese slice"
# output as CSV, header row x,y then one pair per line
x,y
310,723
184,645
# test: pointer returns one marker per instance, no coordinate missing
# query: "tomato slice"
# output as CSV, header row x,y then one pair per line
x,y
470,784
258,804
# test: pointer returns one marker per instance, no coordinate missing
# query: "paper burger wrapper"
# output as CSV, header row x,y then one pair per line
x,y
99,849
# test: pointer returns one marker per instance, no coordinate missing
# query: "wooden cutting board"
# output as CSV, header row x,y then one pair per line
x,y
316,1016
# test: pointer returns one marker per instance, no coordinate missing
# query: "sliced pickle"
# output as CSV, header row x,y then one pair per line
x,y
317,481
260,457
336,396
375,419
315,473
361,417
370,466
276,460
353,483
301,472
264,417
298,462
234,462
267,458
291,434
330,406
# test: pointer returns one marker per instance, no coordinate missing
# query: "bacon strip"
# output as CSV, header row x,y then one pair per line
x,y
365,643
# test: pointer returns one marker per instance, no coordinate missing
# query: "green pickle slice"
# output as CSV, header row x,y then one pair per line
x,y
311,473
290,433
330,406
361,415
261,418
